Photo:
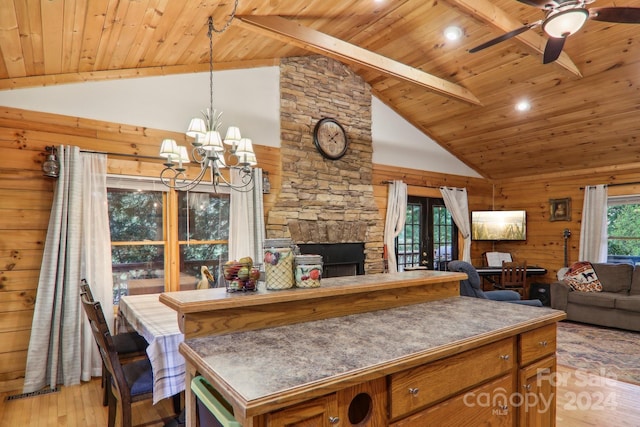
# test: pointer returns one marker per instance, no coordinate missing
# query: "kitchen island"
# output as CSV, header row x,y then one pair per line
x,y
421,360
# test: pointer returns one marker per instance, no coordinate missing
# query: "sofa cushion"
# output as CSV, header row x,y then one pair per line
x,y
614,277
582,277
635,281
594,299
631,303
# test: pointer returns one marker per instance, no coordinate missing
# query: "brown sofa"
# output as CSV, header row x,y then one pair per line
x,y
618,305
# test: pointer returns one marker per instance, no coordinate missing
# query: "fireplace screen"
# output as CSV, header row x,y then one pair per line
x,y
339,259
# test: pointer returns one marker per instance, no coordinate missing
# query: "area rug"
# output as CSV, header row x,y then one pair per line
x,y
613,353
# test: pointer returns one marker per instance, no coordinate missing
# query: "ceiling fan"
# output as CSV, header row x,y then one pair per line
x,y
564,18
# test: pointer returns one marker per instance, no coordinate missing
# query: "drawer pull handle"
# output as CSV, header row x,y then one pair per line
x,y
527,387
334,420
543,343
504,408
414,391
504,357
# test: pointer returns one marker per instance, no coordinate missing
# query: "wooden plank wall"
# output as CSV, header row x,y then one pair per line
x,y
25,204
426,184
25,201
545,243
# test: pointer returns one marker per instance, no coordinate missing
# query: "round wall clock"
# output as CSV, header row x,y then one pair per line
x,y
330,138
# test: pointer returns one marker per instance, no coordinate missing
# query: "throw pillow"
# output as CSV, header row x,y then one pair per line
x,y
582,277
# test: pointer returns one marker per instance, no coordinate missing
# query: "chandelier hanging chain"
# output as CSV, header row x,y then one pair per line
x,y
212,28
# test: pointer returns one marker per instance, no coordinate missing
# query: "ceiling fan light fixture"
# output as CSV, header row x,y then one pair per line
x,y
565,23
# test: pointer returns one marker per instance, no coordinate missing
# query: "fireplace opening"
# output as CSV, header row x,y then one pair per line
x,y
338,259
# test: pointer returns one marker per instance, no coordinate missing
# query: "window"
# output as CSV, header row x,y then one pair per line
x,y
429,237
623,229
203,233
137,241
158,234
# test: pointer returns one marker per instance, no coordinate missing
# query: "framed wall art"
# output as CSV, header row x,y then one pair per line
x,y
560,209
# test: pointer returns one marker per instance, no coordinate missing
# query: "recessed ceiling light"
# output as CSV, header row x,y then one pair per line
x,y
453,33
523,105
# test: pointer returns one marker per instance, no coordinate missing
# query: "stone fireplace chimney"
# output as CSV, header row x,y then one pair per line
x,y
322,200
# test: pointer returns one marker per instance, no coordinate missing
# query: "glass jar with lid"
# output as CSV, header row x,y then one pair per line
x,y
308,271
278,263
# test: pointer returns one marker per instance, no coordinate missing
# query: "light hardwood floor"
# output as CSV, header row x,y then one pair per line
x,y
581,401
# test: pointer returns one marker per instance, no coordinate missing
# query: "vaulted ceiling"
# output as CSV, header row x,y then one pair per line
x,y
584,106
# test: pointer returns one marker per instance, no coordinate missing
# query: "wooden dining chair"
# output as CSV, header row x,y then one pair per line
x,y
514,277
129,382
130,346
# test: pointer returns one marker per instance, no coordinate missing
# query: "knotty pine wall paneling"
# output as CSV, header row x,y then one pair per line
x,y
426,184
545,242
25,205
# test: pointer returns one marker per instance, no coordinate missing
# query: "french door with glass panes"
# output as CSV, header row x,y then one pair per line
x,y
429,238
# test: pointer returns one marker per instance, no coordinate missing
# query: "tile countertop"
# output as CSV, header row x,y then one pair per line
x,y
258,365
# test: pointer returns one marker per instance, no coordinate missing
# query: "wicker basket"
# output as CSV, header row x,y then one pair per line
x,y
234,283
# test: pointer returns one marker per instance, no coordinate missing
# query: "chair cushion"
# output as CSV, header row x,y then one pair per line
x,y
614,277
631,303
582,277
594,299
139,376
129,342
635,281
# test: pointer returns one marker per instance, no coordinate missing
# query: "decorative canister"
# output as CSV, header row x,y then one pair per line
x,y
278,263
308,271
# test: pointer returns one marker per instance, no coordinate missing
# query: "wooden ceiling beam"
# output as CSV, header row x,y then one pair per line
x,y
293,33
487,12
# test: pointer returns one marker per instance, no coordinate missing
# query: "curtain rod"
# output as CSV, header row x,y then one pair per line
x,y
137,156
421,186
617,184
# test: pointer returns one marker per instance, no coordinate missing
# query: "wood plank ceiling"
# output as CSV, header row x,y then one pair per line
x,y
583,106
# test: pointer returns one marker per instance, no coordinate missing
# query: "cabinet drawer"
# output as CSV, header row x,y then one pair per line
x,y
536,344
487,405
416,388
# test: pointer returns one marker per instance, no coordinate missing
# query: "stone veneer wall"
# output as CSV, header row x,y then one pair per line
x,y
321,200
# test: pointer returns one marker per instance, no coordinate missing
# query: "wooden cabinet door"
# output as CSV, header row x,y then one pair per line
x,y
537,388
320,412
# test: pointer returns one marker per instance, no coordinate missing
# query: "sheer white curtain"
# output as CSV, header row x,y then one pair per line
x,y
59,351
246,222
394,222
593,231
455,199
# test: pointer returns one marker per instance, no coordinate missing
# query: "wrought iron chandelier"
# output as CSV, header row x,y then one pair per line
x,y
208,149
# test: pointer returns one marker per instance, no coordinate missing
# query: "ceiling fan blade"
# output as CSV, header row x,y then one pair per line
x,y
540,4
553,49
623,15
504,37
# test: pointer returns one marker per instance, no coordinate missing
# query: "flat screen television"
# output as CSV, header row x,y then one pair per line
x,y
499,225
